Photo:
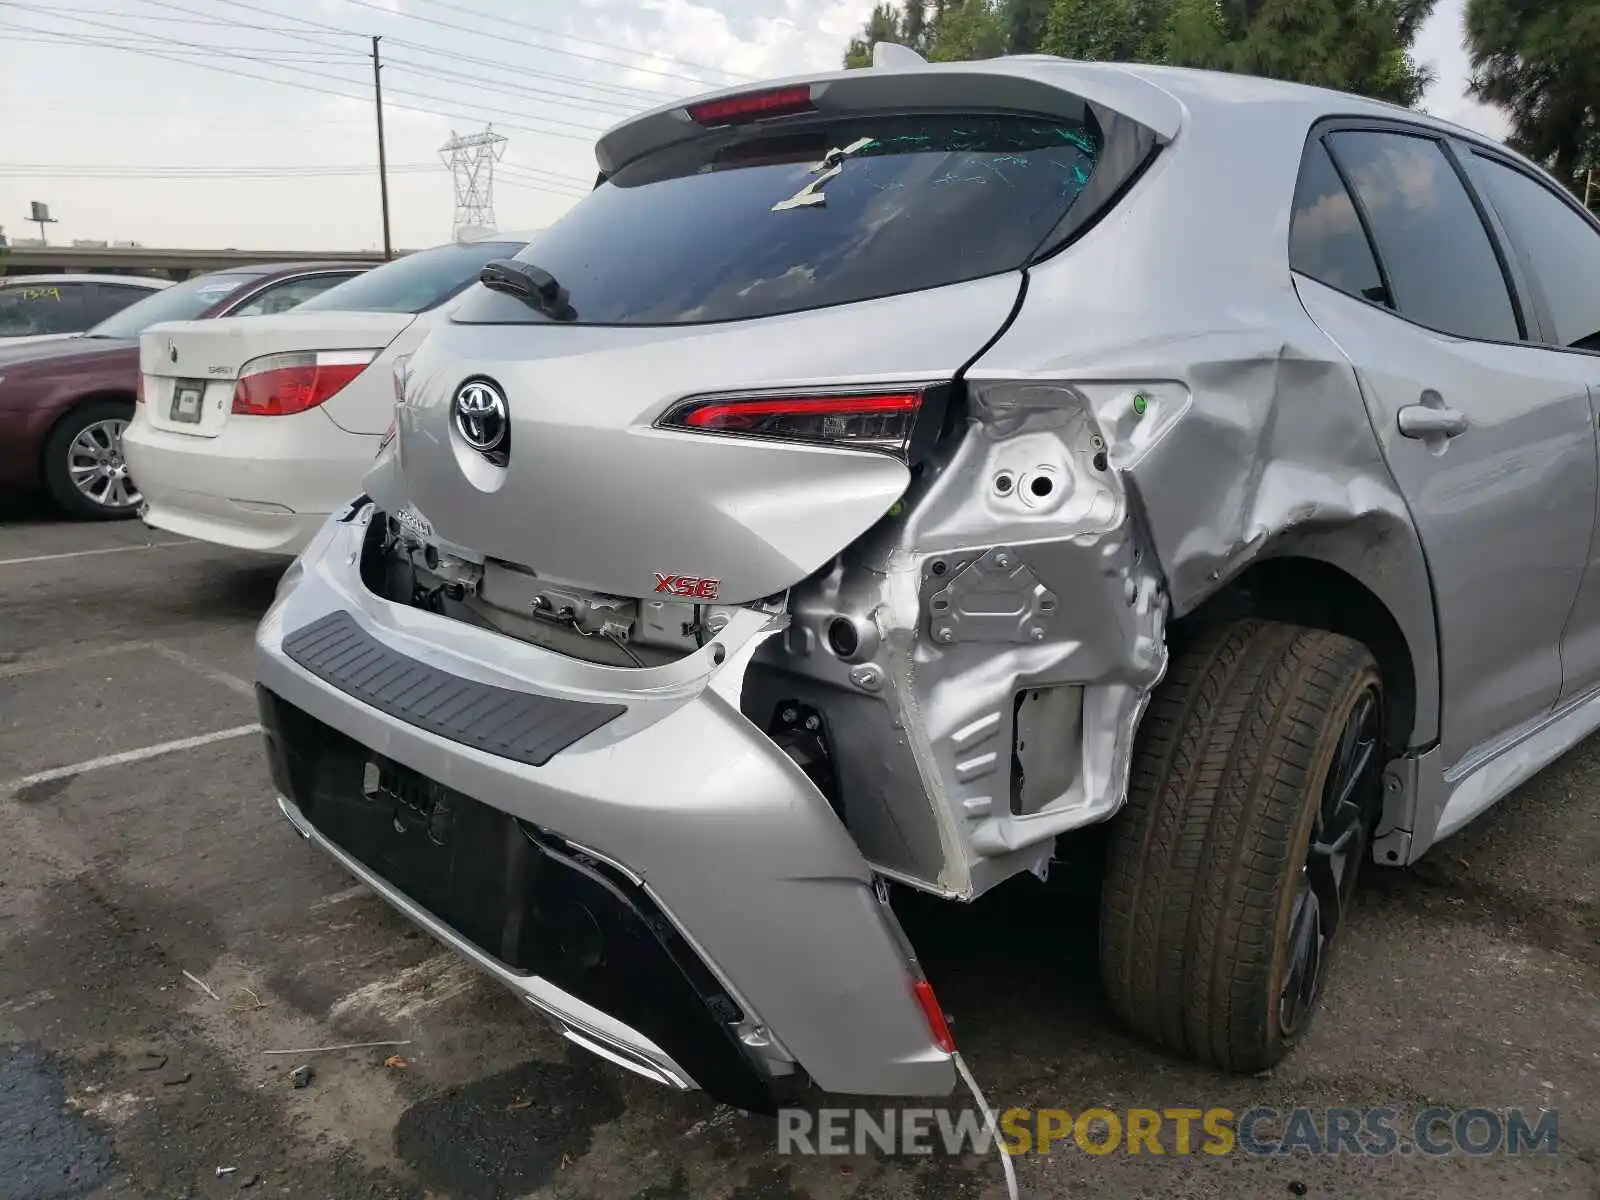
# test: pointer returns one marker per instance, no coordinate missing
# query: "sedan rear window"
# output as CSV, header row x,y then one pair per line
x,y
413,284
820,212
180,302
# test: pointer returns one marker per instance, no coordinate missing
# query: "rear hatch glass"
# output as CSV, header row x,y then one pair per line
x,y
741,224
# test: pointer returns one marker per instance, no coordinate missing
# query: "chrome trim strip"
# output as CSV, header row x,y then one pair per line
x,y
580,1023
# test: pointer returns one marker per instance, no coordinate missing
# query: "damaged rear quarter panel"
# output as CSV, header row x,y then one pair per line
x,y
1004,641
1274,454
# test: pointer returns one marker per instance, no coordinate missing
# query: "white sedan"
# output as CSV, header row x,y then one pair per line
x,y
249,433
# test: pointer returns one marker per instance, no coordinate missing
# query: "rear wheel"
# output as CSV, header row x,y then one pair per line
x,y
83,464
1255,785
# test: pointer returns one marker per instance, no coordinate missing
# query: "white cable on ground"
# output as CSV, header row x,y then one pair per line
x,y
988,1119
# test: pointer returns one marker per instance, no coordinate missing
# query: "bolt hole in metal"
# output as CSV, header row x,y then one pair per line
x,y
939,567
1003,484
1042,486
843,638
96,468
1100,461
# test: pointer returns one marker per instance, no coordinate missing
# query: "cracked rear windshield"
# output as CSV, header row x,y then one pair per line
x,y
733,226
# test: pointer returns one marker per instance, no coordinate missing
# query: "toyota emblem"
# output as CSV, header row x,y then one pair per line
x,y
481,416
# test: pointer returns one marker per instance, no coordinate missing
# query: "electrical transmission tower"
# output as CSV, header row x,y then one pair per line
x,y
471,160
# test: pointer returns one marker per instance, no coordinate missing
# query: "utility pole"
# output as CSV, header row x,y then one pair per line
x,y
383,162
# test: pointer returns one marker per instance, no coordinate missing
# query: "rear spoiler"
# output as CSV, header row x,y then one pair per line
x,y
1035,84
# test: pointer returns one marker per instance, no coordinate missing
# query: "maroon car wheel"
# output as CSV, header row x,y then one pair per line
x,y
83,464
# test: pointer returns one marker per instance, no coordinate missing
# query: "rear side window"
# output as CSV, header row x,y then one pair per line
x,y
282,297
753,223
1326,240
413,284
1440,262
28,310
1563,249
106,299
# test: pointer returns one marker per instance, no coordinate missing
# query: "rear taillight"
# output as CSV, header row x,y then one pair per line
x,y
884,421
752,106
280,385
138,389
938,1026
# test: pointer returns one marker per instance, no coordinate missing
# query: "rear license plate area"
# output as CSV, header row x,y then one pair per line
x,y
451,854
188,399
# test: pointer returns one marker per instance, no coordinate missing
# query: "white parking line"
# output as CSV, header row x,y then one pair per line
x,y
39,558
215,674
128,756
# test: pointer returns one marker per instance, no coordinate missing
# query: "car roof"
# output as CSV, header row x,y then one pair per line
x,y
274,270
82,277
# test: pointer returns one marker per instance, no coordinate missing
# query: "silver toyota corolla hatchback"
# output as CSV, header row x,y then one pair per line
x,y
885,475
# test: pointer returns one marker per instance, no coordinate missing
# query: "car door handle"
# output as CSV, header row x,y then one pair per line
x,y
1421,421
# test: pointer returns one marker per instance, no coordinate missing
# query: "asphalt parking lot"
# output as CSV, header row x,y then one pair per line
x,y
139,847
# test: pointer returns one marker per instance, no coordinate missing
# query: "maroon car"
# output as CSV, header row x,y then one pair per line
x,y
64,405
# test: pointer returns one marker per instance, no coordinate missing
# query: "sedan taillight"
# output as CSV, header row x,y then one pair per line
x,y
280,385
889,422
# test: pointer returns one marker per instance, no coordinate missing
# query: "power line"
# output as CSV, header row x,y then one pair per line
x,y
571,37
522,71
610,62
291,83
324,29
547,182
191,17
609,108
67,171
68,38
590,132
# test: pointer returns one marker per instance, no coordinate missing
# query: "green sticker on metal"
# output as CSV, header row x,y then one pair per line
x,y
1140,403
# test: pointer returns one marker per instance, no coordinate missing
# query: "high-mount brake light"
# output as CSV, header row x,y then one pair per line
x,y
752,106
280,385
882,421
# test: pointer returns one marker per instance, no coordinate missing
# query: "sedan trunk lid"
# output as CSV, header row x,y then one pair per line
x,y
189,368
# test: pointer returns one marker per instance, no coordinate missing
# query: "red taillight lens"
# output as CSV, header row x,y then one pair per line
x,y
752,106
937,1025
882,421
280,385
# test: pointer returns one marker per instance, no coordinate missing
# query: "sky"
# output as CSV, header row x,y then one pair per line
x,y
249,124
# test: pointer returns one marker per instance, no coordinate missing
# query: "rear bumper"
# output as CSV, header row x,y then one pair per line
x,y
264,483
701,824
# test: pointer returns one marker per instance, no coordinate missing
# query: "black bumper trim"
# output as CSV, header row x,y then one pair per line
x,y
509,724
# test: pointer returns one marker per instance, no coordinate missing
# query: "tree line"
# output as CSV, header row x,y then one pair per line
x,y
1537,60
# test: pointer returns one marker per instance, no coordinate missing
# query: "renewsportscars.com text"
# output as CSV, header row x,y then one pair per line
x,y
1260,1132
